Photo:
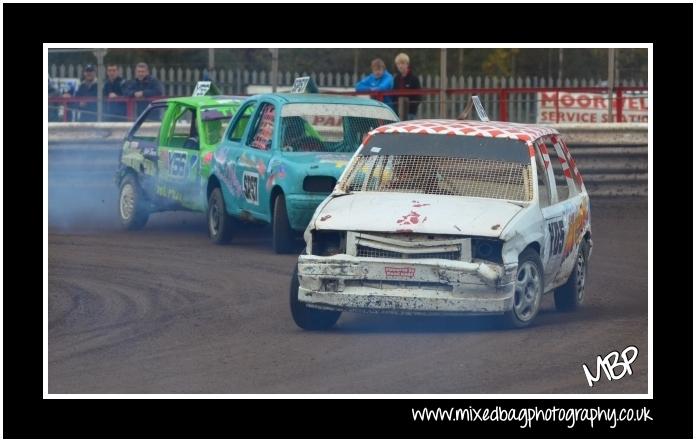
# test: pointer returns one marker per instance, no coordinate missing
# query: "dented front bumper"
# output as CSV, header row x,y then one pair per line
x,y
414,286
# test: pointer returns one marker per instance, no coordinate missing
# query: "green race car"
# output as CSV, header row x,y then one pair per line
x,y
167,155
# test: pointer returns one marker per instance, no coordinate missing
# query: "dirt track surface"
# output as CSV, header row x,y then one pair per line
x,y
165,311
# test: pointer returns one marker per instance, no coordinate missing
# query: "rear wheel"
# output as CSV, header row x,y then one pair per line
x,y
571,295
529,287
132,207
306,317
220,223
283,235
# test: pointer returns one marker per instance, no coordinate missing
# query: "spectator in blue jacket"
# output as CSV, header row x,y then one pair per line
x,y
142,86
378,81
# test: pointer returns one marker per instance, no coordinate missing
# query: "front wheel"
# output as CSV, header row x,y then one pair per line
x,y
529,287
132,207
309,318
283,235
219,221
571,295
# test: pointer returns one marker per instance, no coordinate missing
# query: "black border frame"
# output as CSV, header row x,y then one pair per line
x,y
27,415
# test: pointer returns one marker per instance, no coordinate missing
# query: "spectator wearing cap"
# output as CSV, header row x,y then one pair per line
x,y
142,86
379,80
404,79
88,88
113,88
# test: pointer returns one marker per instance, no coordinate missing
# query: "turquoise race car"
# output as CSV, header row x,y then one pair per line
x,y
281,157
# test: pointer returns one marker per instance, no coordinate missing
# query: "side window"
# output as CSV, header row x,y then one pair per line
x,y
261,136
183,131
558,163
542,161
214,123
572,167
245,115
149,131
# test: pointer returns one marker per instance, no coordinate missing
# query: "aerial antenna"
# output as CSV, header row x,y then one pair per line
x,y
475,102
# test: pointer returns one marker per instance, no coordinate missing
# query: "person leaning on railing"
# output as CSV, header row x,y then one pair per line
x,y
380,80
113,88
52,107
88,88
404,79
142,86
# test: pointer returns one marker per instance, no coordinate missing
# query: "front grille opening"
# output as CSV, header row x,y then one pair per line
x,y
320,184
442,255
391,284
371,252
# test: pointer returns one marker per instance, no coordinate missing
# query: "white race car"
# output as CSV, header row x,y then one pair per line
x,y
448,217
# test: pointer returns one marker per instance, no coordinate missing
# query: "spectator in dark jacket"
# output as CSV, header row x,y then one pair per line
x,y
52,107
404,79
88,88
113,88
68,91
142,86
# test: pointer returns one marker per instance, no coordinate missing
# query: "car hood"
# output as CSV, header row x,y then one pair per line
x,y
414,212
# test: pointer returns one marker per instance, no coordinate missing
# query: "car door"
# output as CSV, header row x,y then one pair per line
x,y
179,159
562,207
140,146
230,153
254,156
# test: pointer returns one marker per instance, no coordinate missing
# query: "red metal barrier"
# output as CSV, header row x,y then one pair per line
x,y
502,94
503,99
71,104
619,107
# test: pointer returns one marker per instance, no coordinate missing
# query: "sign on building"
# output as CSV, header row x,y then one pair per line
x,y
580,107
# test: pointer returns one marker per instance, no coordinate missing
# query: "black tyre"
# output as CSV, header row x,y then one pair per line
x,y
571,295
283,235
306,317
132,206
220,223
529,288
